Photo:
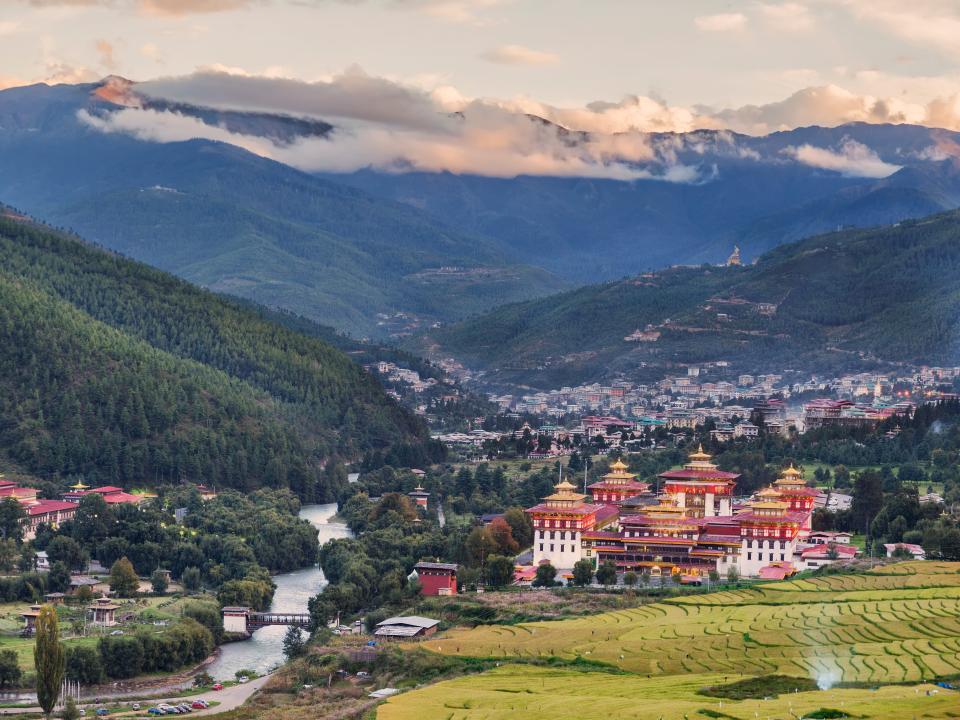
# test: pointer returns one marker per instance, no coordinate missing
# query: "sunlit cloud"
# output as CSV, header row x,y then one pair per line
x,y
520,55
722,22
851,159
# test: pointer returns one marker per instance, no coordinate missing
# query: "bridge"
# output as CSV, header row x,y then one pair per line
x,y
245,620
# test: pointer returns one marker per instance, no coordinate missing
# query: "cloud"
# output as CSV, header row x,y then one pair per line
x,y
186,7
396,127
462,12
150,51
520,55
925,22
8,27
105,51
154,7
722,22
485,141
853,159
788,16
827,105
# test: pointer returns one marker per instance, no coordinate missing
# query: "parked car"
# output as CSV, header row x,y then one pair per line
x,y
218,686
102,712
135,706
154,711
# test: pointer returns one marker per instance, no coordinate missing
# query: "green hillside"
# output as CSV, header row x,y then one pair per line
x,y
121,373
840,300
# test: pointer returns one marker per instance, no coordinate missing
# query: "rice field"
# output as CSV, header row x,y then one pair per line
x,y
897,624
532,693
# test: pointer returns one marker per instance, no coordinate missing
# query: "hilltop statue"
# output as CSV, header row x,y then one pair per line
x,y
734,258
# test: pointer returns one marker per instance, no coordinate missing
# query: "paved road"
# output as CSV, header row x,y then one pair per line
x,y
229,698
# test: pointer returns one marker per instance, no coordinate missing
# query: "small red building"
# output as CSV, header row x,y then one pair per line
x,y
437,578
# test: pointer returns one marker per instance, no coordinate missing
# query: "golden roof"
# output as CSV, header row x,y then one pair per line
x,y
666,507
769,505
768,493
790,476
618,471
700,455
565,492
79,486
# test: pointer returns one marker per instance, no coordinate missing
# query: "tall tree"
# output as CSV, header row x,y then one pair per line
x,y
11,515
48,658
123,578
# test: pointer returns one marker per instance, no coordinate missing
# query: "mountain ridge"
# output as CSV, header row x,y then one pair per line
x,y
196,385
841,300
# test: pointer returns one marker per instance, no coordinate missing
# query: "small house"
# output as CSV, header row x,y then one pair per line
x,y
406,628
30,619
437,578
103,612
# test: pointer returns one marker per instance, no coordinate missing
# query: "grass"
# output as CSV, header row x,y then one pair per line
x,y
895,624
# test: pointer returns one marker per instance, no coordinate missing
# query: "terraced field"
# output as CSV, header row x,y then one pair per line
x,y
897,624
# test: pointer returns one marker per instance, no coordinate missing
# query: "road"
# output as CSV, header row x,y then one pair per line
x,y
229,698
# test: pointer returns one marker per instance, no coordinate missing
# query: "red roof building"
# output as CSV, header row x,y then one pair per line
x,y
558,524
700,486
47,512
111,494
617,485
437,578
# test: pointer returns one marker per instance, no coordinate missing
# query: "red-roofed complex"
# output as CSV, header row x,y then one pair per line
x,y
46,512
700,487
692,531
111,494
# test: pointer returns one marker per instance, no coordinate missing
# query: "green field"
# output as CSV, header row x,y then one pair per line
x,y
896,624
144,610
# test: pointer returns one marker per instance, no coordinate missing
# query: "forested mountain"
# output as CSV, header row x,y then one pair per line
x,y
846,299
235,222
120,373
743,190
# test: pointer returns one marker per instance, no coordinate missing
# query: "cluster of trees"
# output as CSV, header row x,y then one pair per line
x,y
198,386
231,543
125,656
887,510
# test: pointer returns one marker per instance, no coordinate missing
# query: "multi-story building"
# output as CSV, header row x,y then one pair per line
x,y
559,523
700,486
617,485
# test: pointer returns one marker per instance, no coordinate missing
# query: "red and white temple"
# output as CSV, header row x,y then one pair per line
x,y
559,523
701,487
617,485
692,531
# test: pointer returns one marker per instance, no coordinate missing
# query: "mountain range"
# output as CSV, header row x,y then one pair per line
x,y
119,373
853,299
235,222
382,254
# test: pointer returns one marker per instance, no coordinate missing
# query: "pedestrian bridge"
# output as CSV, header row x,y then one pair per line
x,y
245,620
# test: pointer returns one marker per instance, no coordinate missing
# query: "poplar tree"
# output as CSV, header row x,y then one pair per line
x,y
48,658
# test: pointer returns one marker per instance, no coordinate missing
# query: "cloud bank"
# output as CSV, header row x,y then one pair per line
x,y
853,159
394,127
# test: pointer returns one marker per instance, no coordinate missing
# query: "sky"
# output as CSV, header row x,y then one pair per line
x,y
602,66
563,52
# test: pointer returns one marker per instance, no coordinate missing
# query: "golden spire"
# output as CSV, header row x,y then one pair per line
x,y
700,455
79,486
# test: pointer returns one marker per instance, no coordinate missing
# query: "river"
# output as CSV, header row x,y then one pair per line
x,y
264,650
